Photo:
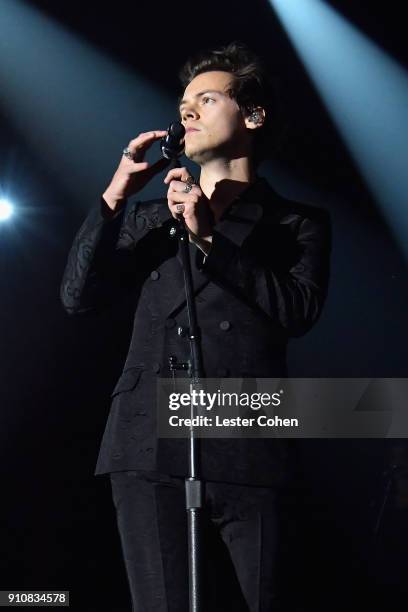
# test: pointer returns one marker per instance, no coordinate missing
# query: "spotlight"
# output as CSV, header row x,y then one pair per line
x,y
6,210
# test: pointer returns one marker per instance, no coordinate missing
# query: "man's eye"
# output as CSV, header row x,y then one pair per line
x,y
206,99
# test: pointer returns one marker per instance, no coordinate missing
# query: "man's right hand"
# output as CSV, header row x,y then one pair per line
x,y
132,175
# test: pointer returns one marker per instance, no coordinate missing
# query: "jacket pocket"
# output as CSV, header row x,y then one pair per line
x,y
127,396
128,381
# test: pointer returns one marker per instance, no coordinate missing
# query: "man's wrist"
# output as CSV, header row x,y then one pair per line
x,y
112,200
107,211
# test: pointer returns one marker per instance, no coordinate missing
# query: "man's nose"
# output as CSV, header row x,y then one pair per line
x,y
190,113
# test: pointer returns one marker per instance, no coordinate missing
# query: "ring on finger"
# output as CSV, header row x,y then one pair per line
x,y
190,181
180,208
128,153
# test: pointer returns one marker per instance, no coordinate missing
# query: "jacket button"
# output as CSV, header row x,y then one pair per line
x,y
182,331
170,323
156,367
222,372
225,325
154,275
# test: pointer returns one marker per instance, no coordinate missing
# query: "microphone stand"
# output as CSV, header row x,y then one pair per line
x,y
193,484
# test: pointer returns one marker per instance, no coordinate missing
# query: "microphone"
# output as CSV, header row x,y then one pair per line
x,y
172,145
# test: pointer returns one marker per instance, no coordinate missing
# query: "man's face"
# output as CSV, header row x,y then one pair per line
x,y
214,123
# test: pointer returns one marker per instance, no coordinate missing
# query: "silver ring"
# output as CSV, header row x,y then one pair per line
x,y
127,153
180,208
190,181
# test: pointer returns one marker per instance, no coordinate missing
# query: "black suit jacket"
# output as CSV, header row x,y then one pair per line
x,y
264,280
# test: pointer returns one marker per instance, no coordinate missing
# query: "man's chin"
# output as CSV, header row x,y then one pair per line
x,y
199,156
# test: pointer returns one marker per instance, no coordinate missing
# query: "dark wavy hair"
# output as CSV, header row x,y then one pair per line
x,y
251,87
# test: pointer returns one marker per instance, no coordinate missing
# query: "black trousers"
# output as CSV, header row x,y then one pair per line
x,y
240,543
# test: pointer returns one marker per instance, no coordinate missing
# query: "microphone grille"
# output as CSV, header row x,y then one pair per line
x,y
177,130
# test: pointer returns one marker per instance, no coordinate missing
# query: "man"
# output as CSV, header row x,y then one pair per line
x,y
260,271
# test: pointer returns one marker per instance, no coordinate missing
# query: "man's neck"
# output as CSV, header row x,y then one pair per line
x,y
223,180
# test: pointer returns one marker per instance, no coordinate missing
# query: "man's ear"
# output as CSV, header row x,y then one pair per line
x,y
255,118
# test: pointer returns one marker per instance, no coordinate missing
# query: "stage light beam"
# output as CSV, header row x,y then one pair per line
x,y
366,94
76,107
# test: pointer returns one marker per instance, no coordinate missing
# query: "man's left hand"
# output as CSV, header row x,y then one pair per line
x,y
194,205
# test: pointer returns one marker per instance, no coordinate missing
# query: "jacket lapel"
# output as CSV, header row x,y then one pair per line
x,y
236,224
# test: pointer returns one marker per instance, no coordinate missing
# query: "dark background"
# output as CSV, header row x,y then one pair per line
x,y
57,373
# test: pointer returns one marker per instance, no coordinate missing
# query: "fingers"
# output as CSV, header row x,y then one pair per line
x,y
180,174
185,204
177,191
180,196
180,208
181,203
139,145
